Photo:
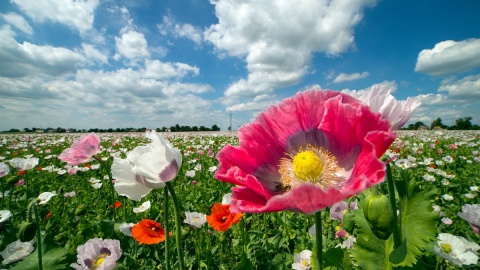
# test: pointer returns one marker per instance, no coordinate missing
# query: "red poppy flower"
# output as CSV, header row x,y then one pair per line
x,y
20,173
221,219
49,215
39,168
116,205
148,232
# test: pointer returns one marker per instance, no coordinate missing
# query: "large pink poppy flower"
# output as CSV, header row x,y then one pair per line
x,y
82,150
306,153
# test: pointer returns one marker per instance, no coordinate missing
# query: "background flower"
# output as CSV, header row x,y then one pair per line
x,y
4,169
16,251
148,232
82,150
22,164
221,219
142,208
302,260
97,253
195,219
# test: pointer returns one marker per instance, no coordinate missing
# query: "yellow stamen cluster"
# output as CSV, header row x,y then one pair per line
x,y
307,165
447,248
310,164
98,261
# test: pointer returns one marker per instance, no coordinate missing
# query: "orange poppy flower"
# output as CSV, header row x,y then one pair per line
x,y
221,219
116,205
20,173
49,215
148,232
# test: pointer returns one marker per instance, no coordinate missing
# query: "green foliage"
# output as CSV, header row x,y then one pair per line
x,y
53,258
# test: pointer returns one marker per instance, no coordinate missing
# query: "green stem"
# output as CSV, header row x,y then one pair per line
x,y
397,239
39,239
26,193
112,187
318,239
244,239
165,218
178,231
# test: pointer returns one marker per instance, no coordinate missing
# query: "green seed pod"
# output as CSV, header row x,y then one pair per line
x,y
348,223
27,231
379,215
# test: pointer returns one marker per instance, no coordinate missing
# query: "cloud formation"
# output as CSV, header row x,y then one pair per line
x,y
277,39
343,77
449,57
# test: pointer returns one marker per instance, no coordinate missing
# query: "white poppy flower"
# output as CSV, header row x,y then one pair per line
x,y
302,260
195,219
142,208
45,197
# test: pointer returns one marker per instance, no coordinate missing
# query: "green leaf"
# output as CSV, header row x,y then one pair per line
x,y
417,224
334,257
53,258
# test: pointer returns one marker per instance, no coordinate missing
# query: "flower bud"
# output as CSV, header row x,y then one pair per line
x,y
27,231
348,223
379,215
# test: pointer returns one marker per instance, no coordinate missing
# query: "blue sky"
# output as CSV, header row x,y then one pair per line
x,y
151,63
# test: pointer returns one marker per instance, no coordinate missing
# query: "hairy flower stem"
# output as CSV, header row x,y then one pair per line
x,y
318,239
26,193
165,218
39,238
397,240
178,231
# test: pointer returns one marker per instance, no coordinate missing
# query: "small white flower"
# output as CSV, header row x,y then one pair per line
x,y
69,194
312,231
142,208
126,228
456,250
470,195
195,219
95,166
447,221
190,173
447,197
16,251
227,198
212,169
46,196
403,163
97,185
429,178
474,188
5,215
301,261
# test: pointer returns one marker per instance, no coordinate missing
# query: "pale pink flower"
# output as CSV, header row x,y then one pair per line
x,y
98,254
82,150
4,169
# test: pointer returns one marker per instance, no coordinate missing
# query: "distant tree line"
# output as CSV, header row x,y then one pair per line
x,y
176,128
464,123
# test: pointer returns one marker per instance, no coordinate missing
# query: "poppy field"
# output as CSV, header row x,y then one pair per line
x,y
72,206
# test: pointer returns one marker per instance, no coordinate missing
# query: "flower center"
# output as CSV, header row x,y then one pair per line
x,y
98,261
307,166
304,262
447,248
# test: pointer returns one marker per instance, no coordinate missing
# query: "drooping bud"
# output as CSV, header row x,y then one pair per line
x,y
379,215
348,223
27,231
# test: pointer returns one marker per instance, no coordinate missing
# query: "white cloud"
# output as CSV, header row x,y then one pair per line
x,y
279,37
465,88
21,59
169,25
342,77
76,14
449,57
19,22
156,69
131,45
93,54
259,103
